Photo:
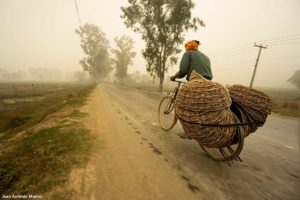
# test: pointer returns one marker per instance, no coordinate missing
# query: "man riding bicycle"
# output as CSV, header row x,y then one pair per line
x,y
191,60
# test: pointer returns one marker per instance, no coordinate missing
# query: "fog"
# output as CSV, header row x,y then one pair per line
x,y
39,36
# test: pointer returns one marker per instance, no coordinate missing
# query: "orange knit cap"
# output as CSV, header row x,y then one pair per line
x,y
192,45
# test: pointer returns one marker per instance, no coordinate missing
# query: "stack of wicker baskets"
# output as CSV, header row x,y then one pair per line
x,y
201,103
206,102
250,106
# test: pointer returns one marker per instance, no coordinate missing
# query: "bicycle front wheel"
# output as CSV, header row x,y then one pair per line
x,y
166,113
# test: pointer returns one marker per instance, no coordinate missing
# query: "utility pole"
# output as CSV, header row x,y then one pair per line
x,y
257,59
77,13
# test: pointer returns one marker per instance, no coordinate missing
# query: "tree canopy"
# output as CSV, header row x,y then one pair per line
x,y
123,56
295,79
162,24
95,45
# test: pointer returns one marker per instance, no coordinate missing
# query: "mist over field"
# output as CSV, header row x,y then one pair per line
x,y
42,74
41,34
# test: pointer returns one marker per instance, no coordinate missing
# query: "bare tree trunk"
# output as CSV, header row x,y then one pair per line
x,y
163,68
161,78
161,81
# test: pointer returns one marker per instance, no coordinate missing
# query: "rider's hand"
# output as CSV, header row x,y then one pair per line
x,y
172,78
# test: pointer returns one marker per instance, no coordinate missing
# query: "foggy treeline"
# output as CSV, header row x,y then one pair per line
x,y
58,75
42,74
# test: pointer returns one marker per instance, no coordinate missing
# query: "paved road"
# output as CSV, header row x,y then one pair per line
x,y
141,161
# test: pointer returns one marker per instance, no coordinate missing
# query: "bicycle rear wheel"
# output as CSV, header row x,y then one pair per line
x,y
230,152
166,113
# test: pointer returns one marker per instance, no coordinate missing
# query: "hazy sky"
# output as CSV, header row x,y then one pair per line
x,y
40,33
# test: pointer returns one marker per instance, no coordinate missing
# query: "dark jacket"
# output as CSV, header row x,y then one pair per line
x,y
194,60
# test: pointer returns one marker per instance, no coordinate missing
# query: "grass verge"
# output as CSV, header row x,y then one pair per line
x,y
284,101
43,158
17,117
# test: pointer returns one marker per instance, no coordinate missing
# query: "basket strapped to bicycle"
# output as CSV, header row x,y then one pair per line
x,y
206,111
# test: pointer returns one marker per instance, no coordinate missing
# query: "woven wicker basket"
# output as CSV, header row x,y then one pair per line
x,y
201,102
207,102
250,106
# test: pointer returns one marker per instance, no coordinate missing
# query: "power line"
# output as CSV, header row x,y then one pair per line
x,y
284,40
231,54
77,13
238,48
244,67
267,41
282,58
237,68
279,38
237,51
286,43
237,62
278,65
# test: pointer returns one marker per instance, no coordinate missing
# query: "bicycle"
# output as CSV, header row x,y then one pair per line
x,y
166,114
167,120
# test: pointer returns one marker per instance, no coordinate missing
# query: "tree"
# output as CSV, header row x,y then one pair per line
x,y
295,79
9,76
123,56
95,45
79,76
162,24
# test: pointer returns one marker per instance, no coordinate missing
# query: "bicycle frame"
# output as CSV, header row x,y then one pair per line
x,y
170,105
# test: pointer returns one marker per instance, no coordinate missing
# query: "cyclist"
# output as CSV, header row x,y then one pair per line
x,y
191,60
